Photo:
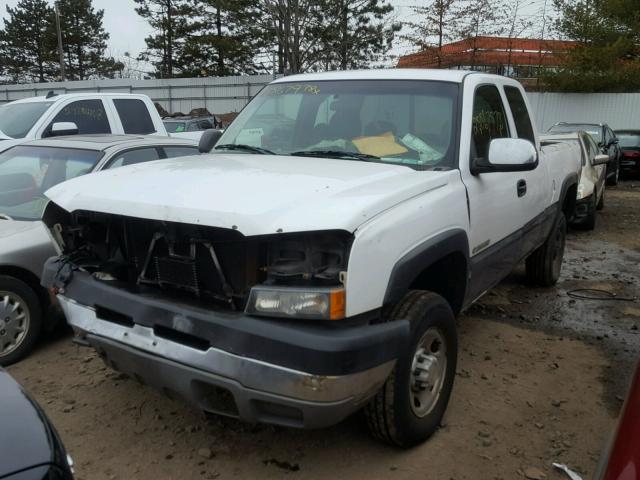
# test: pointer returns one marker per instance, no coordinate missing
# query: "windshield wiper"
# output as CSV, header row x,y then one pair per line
x,y
246,148
335,154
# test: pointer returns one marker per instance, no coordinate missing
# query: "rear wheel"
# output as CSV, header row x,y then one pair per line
x,y
409,407
544,264
20,319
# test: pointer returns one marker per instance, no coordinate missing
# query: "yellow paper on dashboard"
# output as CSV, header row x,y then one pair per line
x,y
380,145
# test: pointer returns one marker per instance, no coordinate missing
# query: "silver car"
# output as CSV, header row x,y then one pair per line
x,y
26,172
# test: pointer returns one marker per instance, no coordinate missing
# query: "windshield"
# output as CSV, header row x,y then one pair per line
x,y
17,119
175,127
594,130
399,122
26,172
628,140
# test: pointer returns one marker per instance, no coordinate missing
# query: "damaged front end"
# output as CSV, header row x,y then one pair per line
x,y
241,326
207,266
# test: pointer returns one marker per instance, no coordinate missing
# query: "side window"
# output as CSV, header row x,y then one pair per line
x,y
134,116
131,157
89,115
520,114
606,138
193,127
592,149
489,120
205,125
172,152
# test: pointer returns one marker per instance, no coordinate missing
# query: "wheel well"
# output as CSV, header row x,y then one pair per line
x,y
446,277
29,278
569,202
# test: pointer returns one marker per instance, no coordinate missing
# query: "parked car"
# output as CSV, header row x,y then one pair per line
x,y
297,284
81,113
629,141
606,140
190,124
621,459
30,447
591,187
26,171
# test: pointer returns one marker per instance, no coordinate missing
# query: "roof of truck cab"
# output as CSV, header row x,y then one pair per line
x,y
104,142
456,76
62,96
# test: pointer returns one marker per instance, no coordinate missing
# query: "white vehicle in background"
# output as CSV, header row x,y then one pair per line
x,y
312,265
26,171
83,114
593,175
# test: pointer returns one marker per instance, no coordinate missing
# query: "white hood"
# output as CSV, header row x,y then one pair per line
x,y
256,194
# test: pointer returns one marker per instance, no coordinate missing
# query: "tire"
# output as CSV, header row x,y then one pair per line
x,y
20,319
613,180
544,264
600,204
590,221
406,412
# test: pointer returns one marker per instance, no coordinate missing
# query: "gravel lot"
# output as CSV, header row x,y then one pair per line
x,y
541,378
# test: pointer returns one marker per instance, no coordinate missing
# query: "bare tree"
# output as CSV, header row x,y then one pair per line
x,y
434,25
478,18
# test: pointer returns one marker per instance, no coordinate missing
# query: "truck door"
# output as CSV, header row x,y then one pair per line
x,y
497,205
90,116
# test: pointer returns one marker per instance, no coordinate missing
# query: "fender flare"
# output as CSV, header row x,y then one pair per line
x,y
421,257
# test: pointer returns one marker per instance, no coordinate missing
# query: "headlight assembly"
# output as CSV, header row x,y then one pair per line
x,y
292,302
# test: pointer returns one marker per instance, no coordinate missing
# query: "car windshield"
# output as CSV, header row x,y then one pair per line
x,y
17,119
628,139
26,172
175,127
398,122
594,130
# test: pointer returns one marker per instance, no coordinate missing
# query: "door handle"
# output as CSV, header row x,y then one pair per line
x,y
522,188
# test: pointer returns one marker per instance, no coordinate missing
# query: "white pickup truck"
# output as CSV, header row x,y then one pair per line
x,y
81,113
313,264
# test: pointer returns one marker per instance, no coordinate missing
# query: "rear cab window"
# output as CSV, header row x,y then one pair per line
x,y
520,113
134,116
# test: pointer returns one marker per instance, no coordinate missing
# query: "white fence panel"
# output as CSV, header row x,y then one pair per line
x,y
619,110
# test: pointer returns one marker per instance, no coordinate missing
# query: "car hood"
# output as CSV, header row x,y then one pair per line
x,y
7,142
255,194
27,439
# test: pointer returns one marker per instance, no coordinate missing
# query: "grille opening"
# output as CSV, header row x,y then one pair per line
x,y
112,316
181,338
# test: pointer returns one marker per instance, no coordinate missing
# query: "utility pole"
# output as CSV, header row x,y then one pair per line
x,y
60,49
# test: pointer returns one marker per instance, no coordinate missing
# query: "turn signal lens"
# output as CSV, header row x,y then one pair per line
x,y
311,303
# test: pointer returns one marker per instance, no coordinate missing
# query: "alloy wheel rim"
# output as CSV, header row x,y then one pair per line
x,y
428,371
14,322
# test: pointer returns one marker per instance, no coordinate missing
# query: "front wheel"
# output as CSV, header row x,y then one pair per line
x,y
20,319
600,204
409,407
613,179
544,264
590,221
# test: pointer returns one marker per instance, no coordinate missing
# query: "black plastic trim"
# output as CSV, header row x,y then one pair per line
x,y
422,257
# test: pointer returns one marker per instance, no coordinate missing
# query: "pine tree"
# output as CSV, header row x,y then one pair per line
x,y
224,41
173,22
363,31
27,42
85,41
434,25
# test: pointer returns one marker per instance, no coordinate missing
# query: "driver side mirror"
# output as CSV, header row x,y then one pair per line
x,y
507,155
208,140
60,129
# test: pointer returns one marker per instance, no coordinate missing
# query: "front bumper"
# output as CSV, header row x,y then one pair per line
x,y
258,370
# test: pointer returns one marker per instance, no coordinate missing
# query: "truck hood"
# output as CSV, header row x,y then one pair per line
x,y
255,194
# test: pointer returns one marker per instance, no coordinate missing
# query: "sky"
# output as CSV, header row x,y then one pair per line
x,y
128,30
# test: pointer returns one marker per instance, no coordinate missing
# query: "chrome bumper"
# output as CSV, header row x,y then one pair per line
x,y
255,391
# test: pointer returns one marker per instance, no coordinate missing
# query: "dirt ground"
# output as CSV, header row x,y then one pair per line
x,y
541,378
